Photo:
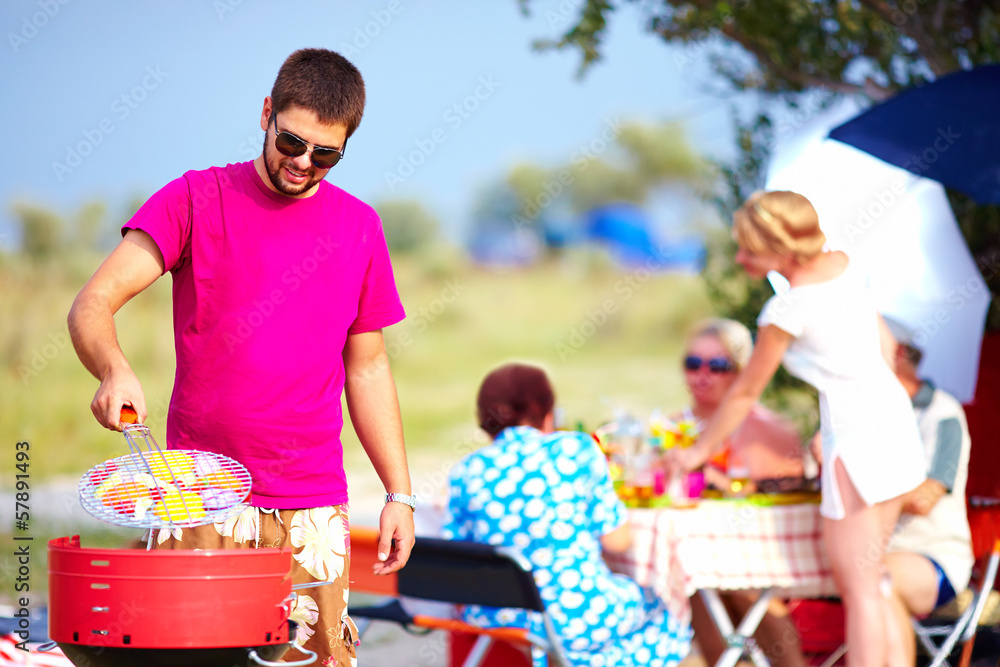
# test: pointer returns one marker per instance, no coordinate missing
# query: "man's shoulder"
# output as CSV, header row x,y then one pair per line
x,y
345,199
203,181
945,402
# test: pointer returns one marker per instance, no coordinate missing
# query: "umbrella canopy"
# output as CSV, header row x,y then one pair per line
x,y
947,130
901,230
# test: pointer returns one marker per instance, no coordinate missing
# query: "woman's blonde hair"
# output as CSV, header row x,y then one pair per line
x,y
735,338
782,222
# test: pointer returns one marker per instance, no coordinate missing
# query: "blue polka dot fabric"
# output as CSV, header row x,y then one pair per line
x,y
550,497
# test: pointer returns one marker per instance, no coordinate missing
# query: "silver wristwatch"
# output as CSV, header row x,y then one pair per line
x,y
402,498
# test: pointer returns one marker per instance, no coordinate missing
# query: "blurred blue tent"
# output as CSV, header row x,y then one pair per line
x,y
628,232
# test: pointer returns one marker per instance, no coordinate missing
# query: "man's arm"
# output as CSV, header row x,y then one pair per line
x,y
374,410
944,468
921,500
131,267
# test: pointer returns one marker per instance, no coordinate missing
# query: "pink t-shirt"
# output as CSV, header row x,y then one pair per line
x,y
266,290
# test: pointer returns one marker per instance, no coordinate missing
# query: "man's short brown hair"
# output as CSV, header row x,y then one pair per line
x,y
324,82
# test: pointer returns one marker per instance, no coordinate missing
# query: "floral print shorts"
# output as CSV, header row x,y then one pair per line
x,y
320,542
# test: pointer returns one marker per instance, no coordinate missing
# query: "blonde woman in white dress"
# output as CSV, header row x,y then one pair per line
x,y
827,332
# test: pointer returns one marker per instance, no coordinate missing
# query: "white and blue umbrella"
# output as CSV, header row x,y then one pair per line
x,y
900,228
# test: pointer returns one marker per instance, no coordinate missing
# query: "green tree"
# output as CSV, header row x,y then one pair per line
x,y
407,224
788,48
647,157
642,158
659,153
91,225
41,228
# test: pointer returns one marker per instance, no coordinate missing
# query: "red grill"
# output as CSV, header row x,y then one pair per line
x,y
114,602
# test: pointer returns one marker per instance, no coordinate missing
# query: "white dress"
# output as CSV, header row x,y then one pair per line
x,y
866,417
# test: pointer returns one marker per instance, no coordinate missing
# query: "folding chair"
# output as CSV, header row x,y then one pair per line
x,y
963,629
457,573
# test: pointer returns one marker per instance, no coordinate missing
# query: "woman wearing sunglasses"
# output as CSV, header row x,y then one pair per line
x,y
827,332
764,445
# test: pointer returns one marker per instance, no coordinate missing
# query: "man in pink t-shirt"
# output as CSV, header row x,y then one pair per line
x,y
282,284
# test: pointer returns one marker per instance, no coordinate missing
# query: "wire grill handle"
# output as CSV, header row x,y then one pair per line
x,y
129,415
134,432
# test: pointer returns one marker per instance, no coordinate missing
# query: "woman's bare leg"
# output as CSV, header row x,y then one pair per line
x,y
915,590
855,545
908,638
900,640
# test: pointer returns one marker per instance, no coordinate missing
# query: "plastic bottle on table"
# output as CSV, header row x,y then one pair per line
x,y
637,462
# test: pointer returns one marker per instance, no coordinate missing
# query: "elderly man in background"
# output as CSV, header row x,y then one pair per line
x,y
930,554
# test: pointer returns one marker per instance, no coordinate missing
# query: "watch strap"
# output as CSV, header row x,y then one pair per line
x,y
402,498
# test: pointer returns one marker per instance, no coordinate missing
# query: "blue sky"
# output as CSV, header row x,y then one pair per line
x,y
110,100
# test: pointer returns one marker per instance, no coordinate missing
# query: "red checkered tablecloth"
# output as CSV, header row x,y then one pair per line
x,y
727,545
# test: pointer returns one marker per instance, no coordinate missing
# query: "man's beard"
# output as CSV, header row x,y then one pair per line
x,y
275,176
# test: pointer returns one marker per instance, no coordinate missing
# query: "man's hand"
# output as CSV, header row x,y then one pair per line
x,y
396,523
119,387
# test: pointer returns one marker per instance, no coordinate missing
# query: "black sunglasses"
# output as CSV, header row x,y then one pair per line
x,y
715,364
290,145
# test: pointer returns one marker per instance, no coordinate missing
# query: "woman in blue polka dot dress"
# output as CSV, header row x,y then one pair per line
x,y
548,495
